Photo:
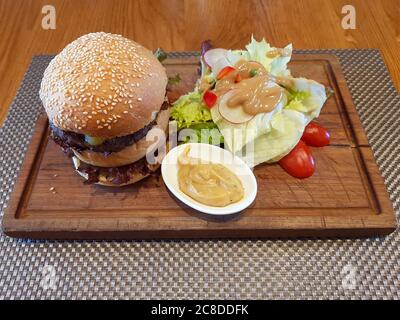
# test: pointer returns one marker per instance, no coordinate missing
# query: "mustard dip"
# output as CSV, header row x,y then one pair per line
x,y
208,183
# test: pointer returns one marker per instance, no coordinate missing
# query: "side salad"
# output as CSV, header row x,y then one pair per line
x,y
248,101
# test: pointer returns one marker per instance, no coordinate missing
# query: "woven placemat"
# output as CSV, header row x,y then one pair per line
x,y
336,268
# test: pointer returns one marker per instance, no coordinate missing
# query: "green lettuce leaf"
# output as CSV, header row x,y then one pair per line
x,y
287,127
297,95
206,132
236,136
306,96
193,120
190,110
305,100
160,54
174,80
295,100
277,66
256,51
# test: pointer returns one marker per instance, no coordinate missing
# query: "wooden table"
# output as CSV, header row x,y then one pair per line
x,y
183,24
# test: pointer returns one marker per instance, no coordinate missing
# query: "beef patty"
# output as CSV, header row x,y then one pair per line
x,y
116,175
67,139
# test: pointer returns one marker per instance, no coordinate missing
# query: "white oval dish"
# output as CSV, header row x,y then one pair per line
x,y
208,152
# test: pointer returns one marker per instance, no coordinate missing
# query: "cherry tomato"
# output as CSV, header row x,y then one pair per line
x,y
315,135
210,98
224,72
299,163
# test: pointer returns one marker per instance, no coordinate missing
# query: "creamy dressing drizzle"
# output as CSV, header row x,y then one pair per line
x,y
278,52
255,90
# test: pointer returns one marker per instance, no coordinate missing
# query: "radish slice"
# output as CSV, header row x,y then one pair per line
x,y
219,65
213,55
232,115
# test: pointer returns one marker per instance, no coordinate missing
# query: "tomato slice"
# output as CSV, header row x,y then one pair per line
x,y
299,162
315,135
224,72
238,78
209,98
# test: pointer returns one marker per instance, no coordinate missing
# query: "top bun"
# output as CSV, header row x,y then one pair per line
x,y
103,85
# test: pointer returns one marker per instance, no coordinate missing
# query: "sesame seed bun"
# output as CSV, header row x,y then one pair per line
x,y
135,178
103,85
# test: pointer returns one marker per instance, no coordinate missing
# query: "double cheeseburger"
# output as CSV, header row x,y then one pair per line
x,y
103,94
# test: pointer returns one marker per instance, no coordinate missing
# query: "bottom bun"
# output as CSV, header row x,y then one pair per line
x,y
134,175
134,179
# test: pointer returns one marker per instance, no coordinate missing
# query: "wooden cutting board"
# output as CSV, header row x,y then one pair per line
x,y
345,197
